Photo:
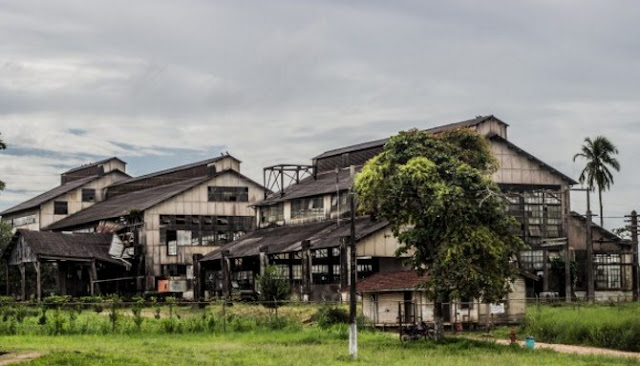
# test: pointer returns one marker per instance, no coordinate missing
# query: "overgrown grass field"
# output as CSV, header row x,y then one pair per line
x,y
174,334
615,326
308,346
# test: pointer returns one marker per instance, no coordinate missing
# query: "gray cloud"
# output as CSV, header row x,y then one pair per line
x,y
286,80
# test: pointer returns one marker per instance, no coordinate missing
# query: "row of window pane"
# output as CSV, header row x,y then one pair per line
x,y
228,194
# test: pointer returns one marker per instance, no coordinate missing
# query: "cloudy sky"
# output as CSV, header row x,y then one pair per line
x,y
164,83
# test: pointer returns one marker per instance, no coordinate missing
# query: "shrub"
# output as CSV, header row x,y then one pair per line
x,y
274,291
330,315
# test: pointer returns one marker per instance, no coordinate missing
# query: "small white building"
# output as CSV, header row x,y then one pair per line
x,y
392,298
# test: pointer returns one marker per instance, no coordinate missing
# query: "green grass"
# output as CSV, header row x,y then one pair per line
x,y
615,326
309,346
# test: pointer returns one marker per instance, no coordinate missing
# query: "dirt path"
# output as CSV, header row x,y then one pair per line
x,y
581,350
13,358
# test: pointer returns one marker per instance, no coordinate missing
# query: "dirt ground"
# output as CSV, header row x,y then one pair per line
x,y
581,350
13,358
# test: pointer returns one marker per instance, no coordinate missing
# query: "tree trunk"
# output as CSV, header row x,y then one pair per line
x,y
438,320
600,202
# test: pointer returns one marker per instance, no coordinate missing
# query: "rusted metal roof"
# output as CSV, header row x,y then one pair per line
x,y
379,143
390,281
171,170
123,204
52,245
323,183
287,239
49,195
94,164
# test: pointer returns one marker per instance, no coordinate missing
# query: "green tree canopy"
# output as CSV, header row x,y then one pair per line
x,y
599,156
449,217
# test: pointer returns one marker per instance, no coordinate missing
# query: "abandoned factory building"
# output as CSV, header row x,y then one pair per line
x,y
203,229
303,223
160,221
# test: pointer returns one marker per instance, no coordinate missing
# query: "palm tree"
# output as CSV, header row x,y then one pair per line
x,y
598,154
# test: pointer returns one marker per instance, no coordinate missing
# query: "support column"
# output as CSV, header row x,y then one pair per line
x,y
545,270
198,289
93,276
36,265
264,259
23,282
226,275
306,270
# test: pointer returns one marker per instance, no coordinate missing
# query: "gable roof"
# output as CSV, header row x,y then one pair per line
x,y
546,166
604,232
121,205
379,143
140,200
322,183
49,195
287,239
81,167
172,170
47,245
390,281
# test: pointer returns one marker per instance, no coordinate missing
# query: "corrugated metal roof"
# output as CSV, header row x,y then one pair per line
x,y
381,142
49,195
121,205
286,239
46,244
94,164
171,170
390,281
323,183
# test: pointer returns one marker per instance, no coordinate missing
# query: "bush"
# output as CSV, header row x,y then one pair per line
x,y
330,315
274,291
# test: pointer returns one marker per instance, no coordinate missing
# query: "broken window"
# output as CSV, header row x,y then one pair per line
x,y
60,208
172,242
608,274
228,194
321,253
340,203
171,270
183,237
88,195
539,212
320,273
273,213
532,259
307,207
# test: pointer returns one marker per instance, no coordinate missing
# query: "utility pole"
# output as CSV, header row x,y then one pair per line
x,y
591,291
567,255
634,242
353,327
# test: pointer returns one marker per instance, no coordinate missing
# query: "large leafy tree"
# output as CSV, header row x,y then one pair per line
x,y
599,156
449,217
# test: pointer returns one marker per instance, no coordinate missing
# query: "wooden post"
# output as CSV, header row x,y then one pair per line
x,y
545,270
93,276
226,275
198,287
23,282
36,265
264,258
306,270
